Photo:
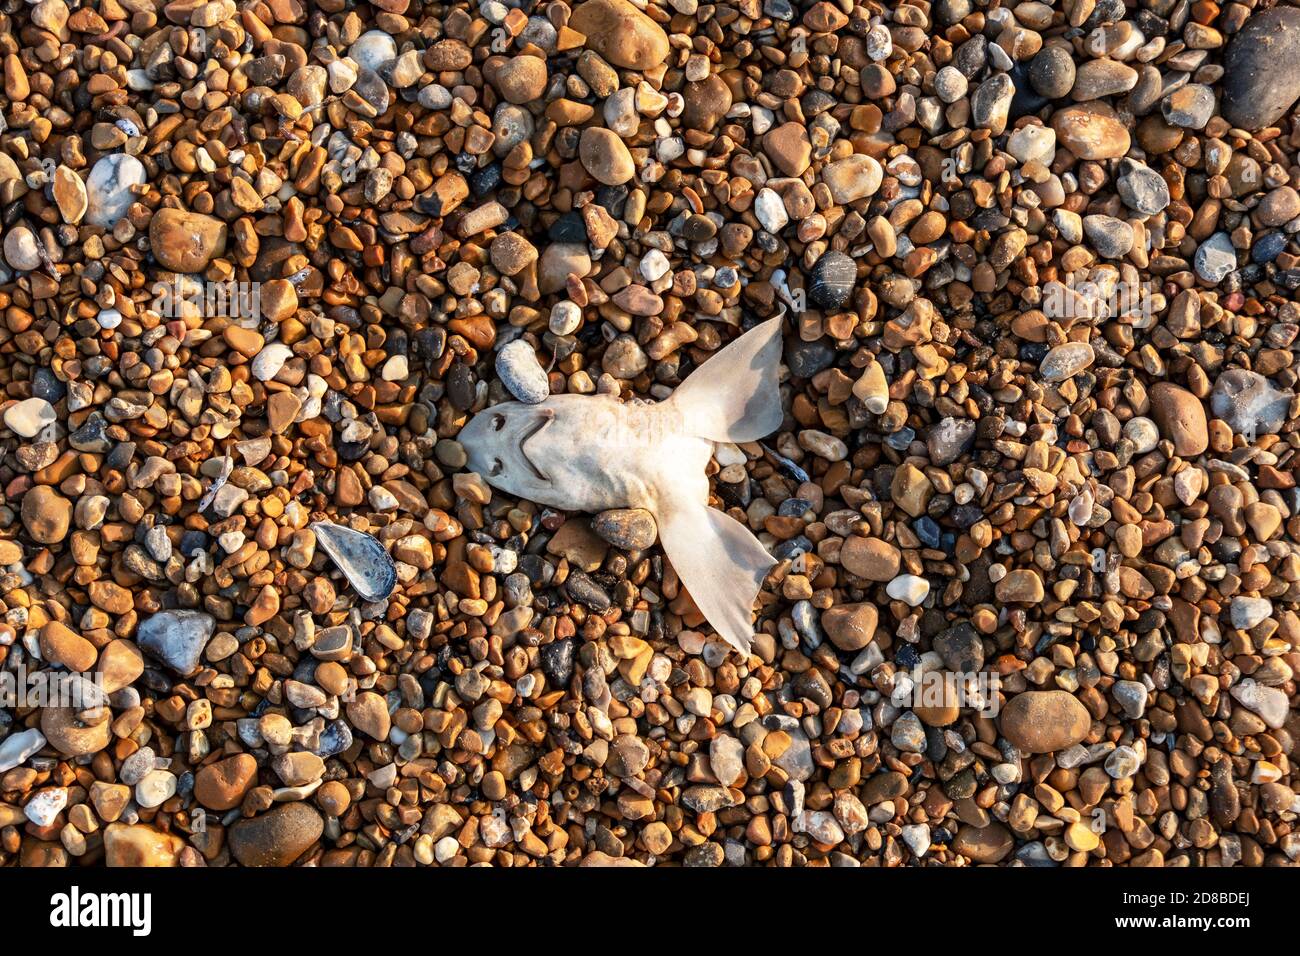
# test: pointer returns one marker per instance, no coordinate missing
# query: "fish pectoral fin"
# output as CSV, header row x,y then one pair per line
x,y
719,561
735,396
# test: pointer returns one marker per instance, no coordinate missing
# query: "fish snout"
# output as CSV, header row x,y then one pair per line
x,y
474,438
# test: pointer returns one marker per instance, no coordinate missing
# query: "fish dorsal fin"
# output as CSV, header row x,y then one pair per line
x,y
719,561
734,396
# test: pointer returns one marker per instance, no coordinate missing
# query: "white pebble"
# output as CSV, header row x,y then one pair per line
x,y
109,318
620,113
521,373
28,417
697,67
1270,703
43,808
950,84
22,251
373,49
727,453
823,445
342,75
566,317
879,42
1143,433
267,363
445,849
108,188
1249,611
395,369
1037,143
434,97
908,588
654,265
669,148
231,541
16,748
155,788
917,838
381,499
770,210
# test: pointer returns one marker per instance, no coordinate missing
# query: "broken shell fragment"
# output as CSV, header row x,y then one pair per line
x,y
227,466
363,560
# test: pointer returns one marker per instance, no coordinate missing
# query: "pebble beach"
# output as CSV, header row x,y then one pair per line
x,y
1033,502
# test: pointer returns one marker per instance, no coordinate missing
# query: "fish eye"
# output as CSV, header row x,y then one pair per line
x,y
496,467
498,422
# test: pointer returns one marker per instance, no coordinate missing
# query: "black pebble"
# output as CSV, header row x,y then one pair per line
x,y
556,659
47,386
832,280
613,198
460,387
1026,100
485,180
568,228
806,359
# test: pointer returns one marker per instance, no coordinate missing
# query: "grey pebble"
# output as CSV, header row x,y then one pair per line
x,y
1215,258
1112,238
177,638
1189,107
1052,72
990,103
1142,188
1261,81
1249,403
521,373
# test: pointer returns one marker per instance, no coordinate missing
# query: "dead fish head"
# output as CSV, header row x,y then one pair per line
x,y
500,444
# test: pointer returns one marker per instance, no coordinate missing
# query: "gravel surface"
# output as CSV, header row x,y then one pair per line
x,y
1033,500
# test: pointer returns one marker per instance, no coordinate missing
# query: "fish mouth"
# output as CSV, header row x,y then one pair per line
x,y
547,415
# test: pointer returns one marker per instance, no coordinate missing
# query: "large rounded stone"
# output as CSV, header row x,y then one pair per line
x,y
852,178
62,645
46,515
850,627
277,838
222,785
1261,80
1042,721
1091,131
939,700
632,529
70,736
705,103
1181,418
369,714
870,558
177,638
988,844
185,241
520,79
140,845
621,33
120,663
605,156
